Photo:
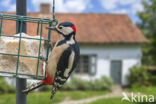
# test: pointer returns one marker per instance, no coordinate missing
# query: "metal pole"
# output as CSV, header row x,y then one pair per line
x,y
21,83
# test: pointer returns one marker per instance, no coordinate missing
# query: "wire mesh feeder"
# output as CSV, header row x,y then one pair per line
x,y
14,60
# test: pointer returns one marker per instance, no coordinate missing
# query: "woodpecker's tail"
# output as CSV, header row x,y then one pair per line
x,y
53,92
52,95
47,81
33,87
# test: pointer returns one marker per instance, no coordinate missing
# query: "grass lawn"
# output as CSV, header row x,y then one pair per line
x,y
44,97
151,90
110,101
145,90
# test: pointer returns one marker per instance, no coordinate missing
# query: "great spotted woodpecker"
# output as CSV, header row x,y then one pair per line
x,y
63,58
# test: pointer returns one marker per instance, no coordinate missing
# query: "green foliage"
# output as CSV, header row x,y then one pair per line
x,y
45,88
11,89
145,90
5,88
148,27
138,75
152,80
104,83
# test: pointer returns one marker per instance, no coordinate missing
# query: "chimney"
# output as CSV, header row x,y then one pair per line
x,y
45,8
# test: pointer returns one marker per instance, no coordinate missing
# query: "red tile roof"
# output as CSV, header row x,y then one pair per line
x,y
93,28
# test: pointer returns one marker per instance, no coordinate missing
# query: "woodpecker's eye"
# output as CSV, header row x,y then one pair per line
x,y
60,27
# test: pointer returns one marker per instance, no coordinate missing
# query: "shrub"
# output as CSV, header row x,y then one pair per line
x,y
107,83
104,83
76,84
69,86
4,87
152,80
11,89
138,75
45,88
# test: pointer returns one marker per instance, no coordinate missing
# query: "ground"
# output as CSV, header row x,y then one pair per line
x,y
83,97
44,97
117,100
77,97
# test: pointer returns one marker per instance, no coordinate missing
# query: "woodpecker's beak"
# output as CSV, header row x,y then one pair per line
x,y
54,29
51,28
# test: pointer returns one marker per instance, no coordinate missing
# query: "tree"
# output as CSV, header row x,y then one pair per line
x,y
148,27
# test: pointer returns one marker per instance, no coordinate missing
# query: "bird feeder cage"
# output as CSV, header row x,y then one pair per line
x,y
19,63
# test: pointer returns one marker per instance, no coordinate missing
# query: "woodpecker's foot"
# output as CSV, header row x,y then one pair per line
x,y
25,91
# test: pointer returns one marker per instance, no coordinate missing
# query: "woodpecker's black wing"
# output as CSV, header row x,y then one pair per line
x,y
72,52
69,56
64,60
62,66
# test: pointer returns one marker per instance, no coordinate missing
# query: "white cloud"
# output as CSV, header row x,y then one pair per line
x,y
7,4
137,7
109,4
12,8
120,11
126,2
64,5
119,6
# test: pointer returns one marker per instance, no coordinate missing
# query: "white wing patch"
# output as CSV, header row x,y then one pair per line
x,y
70,64
61,79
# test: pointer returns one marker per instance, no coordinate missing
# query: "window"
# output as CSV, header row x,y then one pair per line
x,y
87,65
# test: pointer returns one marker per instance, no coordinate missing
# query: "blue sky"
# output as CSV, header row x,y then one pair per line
x,y
129,7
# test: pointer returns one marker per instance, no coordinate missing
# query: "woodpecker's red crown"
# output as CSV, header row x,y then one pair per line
x,y
67,25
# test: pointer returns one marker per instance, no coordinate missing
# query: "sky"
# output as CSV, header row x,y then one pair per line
x,y
129,7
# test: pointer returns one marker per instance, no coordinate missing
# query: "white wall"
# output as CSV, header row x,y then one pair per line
x,y
128,54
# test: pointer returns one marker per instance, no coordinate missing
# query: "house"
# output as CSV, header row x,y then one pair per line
x,y
110,44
